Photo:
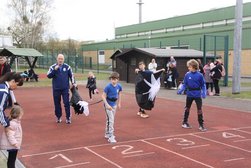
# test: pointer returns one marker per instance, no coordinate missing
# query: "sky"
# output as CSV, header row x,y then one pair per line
x,y
96,19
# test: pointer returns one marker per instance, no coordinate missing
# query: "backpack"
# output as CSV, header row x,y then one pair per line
x,y
223,71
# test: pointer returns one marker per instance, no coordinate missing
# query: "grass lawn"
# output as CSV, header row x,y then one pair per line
x,y
43,81
242,95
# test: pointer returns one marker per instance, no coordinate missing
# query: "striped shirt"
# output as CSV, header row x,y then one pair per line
x,y
4,96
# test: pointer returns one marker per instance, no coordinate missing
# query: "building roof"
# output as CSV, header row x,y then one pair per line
x,y
30,52
157,52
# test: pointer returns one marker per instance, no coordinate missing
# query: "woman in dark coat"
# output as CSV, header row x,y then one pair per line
x,y
216,76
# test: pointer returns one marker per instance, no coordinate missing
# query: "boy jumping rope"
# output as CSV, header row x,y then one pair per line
x,y
112,99
194,84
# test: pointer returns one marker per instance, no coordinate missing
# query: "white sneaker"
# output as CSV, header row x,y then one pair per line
x,y
68,121
59,120
186,125
107,136
202,128
112,139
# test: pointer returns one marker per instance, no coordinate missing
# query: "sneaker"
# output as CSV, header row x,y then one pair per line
x,y
107,136
202,128
59,120
186,125
68,121
139,113
144,115
112,139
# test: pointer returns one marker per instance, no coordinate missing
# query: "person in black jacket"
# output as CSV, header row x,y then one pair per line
x,y
91,84
5,68
216,71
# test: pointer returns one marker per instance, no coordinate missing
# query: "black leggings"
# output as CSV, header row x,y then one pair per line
x,y
91,91
216,86
189,101
211,86
12,158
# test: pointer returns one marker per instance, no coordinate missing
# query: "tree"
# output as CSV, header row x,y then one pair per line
x,y
29,21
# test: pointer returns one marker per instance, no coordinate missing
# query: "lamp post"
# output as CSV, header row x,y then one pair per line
x,y
237,48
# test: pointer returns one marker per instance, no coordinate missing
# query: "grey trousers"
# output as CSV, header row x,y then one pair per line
x,y
110,117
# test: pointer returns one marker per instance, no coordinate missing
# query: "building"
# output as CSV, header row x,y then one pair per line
x,y
6,41
210,31
125,61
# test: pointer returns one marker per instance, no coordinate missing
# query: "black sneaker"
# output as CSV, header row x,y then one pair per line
x,y
202,128
186,125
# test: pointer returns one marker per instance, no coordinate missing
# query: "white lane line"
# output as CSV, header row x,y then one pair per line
x,y
196,146
56,151
221,143
235,159
136,140
175,153
113,163
242,140
73,165
167,136
143,154
247,132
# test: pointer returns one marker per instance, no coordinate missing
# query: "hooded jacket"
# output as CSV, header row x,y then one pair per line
x,y
13,136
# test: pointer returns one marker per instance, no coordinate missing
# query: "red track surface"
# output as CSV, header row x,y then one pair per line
x,y
156,142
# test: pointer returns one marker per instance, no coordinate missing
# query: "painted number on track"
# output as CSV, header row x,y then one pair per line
x,y
181,141
128,149
230,135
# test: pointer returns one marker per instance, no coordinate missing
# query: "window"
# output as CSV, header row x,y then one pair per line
x,y
133,61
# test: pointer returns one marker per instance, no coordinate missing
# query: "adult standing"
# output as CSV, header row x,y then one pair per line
x,y
216,71
171,77
61,74
201,69
4,68
171,61
208,78
8,82
152,66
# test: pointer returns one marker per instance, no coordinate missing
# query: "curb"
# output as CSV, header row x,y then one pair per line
x,y
4,154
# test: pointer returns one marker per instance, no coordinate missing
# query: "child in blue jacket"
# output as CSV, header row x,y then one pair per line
x,y
195,87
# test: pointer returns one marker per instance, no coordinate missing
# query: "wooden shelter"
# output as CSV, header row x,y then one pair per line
x,y
124,61
29,54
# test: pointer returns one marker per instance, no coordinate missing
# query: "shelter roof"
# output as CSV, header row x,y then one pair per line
x,y
30,52
157,52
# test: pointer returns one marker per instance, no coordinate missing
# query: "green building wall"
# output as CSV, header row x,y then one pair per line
x,y
175,31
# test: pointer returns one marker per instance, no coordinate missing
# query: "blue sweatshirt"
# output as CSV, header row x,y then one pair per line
x,y
194,84
4,95
61,76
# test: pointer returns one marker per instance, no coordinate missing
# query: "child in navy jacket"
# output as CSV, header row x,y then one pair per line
x,y
195,87
91,84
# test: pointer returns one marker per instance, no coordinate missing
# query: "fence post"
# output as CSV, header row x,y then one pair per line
x,y
204,49
226,60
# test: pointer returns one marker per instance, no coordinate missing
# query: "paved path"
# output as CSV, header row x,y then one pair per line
x,y
218,101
